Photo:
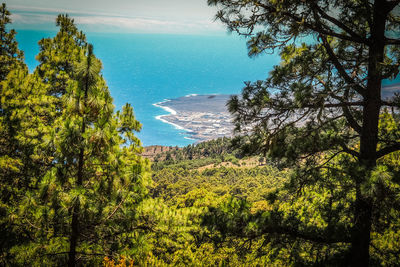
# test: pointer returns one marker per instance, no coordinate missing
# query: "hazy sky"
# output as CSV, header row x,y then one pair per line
x,y
152,16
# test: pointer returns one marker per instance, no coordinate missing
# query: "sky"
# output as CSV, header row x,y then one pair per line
x,y
135,16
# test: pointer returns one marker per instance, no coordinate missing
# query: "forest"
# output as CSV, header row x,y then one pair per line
x,y
312,177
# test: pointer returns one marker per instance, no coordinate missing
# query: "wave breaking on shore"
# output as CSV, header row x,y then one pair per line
x,y
202,117
171,112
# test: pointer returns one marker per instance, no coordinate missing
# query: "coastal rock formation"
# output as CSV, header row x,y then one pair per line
x,y
203,117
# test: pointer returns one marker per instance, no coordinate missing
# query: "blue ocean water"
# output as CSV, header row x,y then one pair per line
x,y
144,69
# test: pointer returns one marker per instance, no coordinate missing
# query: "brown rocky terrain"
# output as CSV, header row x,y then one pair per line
x,y
151,151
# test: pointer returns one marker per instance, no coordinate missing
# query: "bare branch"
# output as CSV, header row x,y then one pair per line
x,y
340,24
391,41
390,104
350,151
387,150
313,237
116,208
340,67
392,4
314,27
349,117
337,105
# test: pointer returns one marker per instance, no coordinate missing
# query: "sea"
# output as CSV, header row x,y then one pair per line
x,y
146,69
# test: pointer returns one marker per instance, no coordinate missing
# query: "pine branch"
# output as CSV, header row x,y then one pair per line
x,y
347,114
391,41
350,151
391,5
387,150
312,237
390,104
340,25
316,28
337,105
359,89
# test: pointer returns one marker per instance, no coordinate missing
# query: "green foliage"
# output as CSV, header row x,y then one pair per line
x,y
10,56
74,188
24,108
311,226
72,177
190,193
60,56
197,155
321,112
251,183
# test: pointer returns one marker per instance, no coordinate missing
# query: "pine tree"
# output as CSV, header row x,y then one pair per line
x,y
323,103
59,56
11,59
24,115
10,55
78,172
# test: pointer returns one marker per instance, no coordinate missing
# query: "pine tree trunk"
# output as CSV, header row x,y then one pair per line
x,y
74,235
75,213
76,209
361,232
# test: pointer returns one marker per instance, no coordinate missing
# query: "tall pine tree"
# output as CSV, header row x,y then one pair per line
x,y
324,102
24,112
84,175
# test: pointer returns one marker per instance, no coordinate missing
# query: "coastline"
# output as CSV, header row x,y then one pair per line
x,y
201,117
159,105
171,111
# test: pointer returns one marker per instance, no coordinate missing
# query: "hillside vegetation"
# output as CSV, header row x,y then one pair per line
x,y
77,190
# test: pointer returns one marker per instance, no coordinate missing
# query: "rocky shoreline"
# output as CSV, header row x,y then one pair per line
x,y
203,117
